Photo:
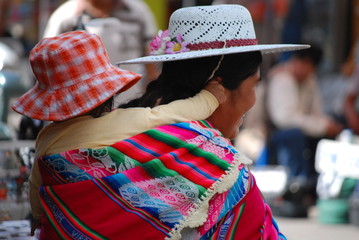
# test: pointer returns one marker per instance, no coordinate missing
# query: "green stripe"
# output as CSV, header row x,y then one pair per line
x,y
193,149
237,220
55,226
120,158
204,122
156,169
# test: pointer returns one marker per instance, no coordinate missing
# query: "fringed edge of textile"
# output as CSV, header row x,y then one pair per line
x,y
198,214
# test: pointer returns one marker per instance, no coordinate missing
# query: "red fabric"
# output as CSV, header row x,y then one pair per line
x,y
125,206
252,217
271,232
47,230
111,219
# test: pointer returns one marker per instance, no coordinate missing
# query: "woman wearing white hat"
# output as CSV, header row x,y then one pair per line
x,y
76,86
204,44
179,181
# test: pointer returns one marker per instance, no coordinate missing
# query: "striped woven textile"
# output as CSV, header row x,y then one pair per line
x,y
179,181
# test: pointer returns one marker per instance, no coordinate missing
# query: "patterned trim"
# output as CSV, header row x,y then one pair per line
x,y
222,44
198,214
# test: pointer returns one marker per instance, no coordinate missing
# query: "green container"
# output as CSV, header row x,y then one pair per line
x,y
333,211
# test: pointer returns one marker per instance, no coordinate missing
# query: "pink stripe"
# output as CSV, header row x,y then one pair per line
x,y
137,174
177,132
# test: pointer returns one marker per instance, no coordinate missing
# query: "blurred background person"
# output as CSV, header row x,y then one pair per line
x,y
125,26
296,122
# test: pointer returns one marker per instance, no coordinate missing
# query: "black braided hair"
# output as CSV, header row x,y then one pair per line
x,y
185,78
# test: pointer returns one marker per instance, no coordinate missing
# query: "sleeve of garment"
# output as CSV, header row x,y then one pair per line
x,y
284,107
199,107
35,182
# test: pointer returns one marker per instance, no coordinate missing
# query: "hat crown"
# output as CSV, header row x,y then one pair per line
x,y
68,59
74,75
212,23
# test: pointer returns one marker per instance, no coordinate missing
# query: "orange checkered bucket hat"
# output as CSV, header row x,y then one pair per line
x,y
74,76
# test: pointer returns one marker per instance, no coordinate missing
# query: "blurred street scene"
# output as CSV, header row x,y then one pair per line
x,y
307,165
311,229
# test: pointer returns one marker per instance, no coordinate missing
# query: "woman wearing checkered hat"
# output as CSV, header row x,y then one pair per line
x,y
175,181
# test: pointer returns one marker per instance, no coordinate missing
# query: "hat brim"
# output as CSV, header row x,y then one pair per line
x,y
264,48
77,99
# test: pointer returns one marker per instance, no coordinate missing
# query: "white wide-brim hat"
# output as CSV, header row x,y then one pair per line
x,y
205,31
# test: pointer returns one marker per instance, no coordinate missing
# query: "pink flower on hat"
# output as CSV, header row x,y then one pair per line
x,y
158,44
176,47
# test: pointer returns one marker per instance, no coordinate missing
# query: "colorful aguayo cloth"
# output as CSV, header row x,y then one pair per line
x,y
180,181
